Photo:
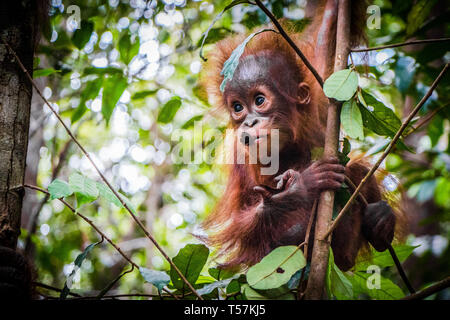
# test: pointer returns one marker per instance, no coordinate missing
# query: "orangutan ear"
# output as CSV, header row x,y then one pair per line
x,y
303,93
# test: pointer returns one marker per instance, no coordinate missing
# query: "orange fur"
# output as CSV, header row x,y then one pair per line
x,y
235,227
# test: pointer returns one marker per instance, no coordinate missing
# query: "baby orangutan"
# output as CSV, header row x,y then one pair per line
x,y
272,89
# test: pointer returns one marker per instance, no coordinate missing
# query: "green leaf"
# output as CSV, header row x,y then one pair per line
x,y
102,71
78,262
82,35
106,193
143,94
276,268
190,123
169,110
341,85
204,279
210,287
84,188
336,282
252,294
44,72
214,35
163,36
387,289
442,191
435,129
90,91
206,33
352,120
190,260
233,287
372,123
220,274
383,259
36,62
295,280
78,113
59,189
229,67
159,279
346,147
418,14
128,50
113,88
382,113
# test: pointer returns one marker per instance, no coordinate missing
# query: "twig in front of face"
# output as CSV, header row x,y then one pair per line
x,y
290,41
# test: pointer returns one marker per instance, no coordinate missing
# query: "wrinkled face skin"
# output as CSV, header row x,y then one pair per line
x,y
263,95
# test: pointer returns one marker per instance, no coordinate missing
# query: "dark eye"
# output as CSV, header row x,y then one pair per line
x,y
259,100
238,107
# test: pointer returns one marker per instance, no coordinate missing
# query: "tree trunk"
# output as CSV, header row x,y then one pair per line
x,y
17,25
321,248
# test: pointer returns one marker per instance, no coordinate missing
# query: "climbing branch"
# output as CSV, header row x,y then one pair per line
x,y
138,222
439,286
290,41
91,223
321,247
386,152
402,44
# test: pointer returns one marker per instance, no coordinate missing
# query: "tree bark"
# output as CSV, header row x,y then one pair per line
x,y
17,25
319,260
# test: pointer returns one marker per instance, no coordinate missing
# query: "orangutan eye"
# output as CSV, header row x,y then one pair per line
x,y
259,100
238,107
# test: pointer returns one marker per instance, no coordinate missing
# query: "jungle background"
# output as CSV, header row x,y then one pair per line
x,y
124,77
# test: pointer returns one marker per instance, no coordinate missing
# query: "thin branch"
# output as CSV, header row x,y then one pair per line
x,y
407,43
291,42
321,247
89,221
112,283
386,152
427,118
46,286
138,222
305,249
439,286
400,269
352,185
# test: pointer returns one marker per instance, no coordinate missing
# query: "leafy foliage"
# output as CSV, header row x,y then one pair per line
x,y
59,189
276,268
169,110
351,120
190,260
159,279
84,188
341,85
